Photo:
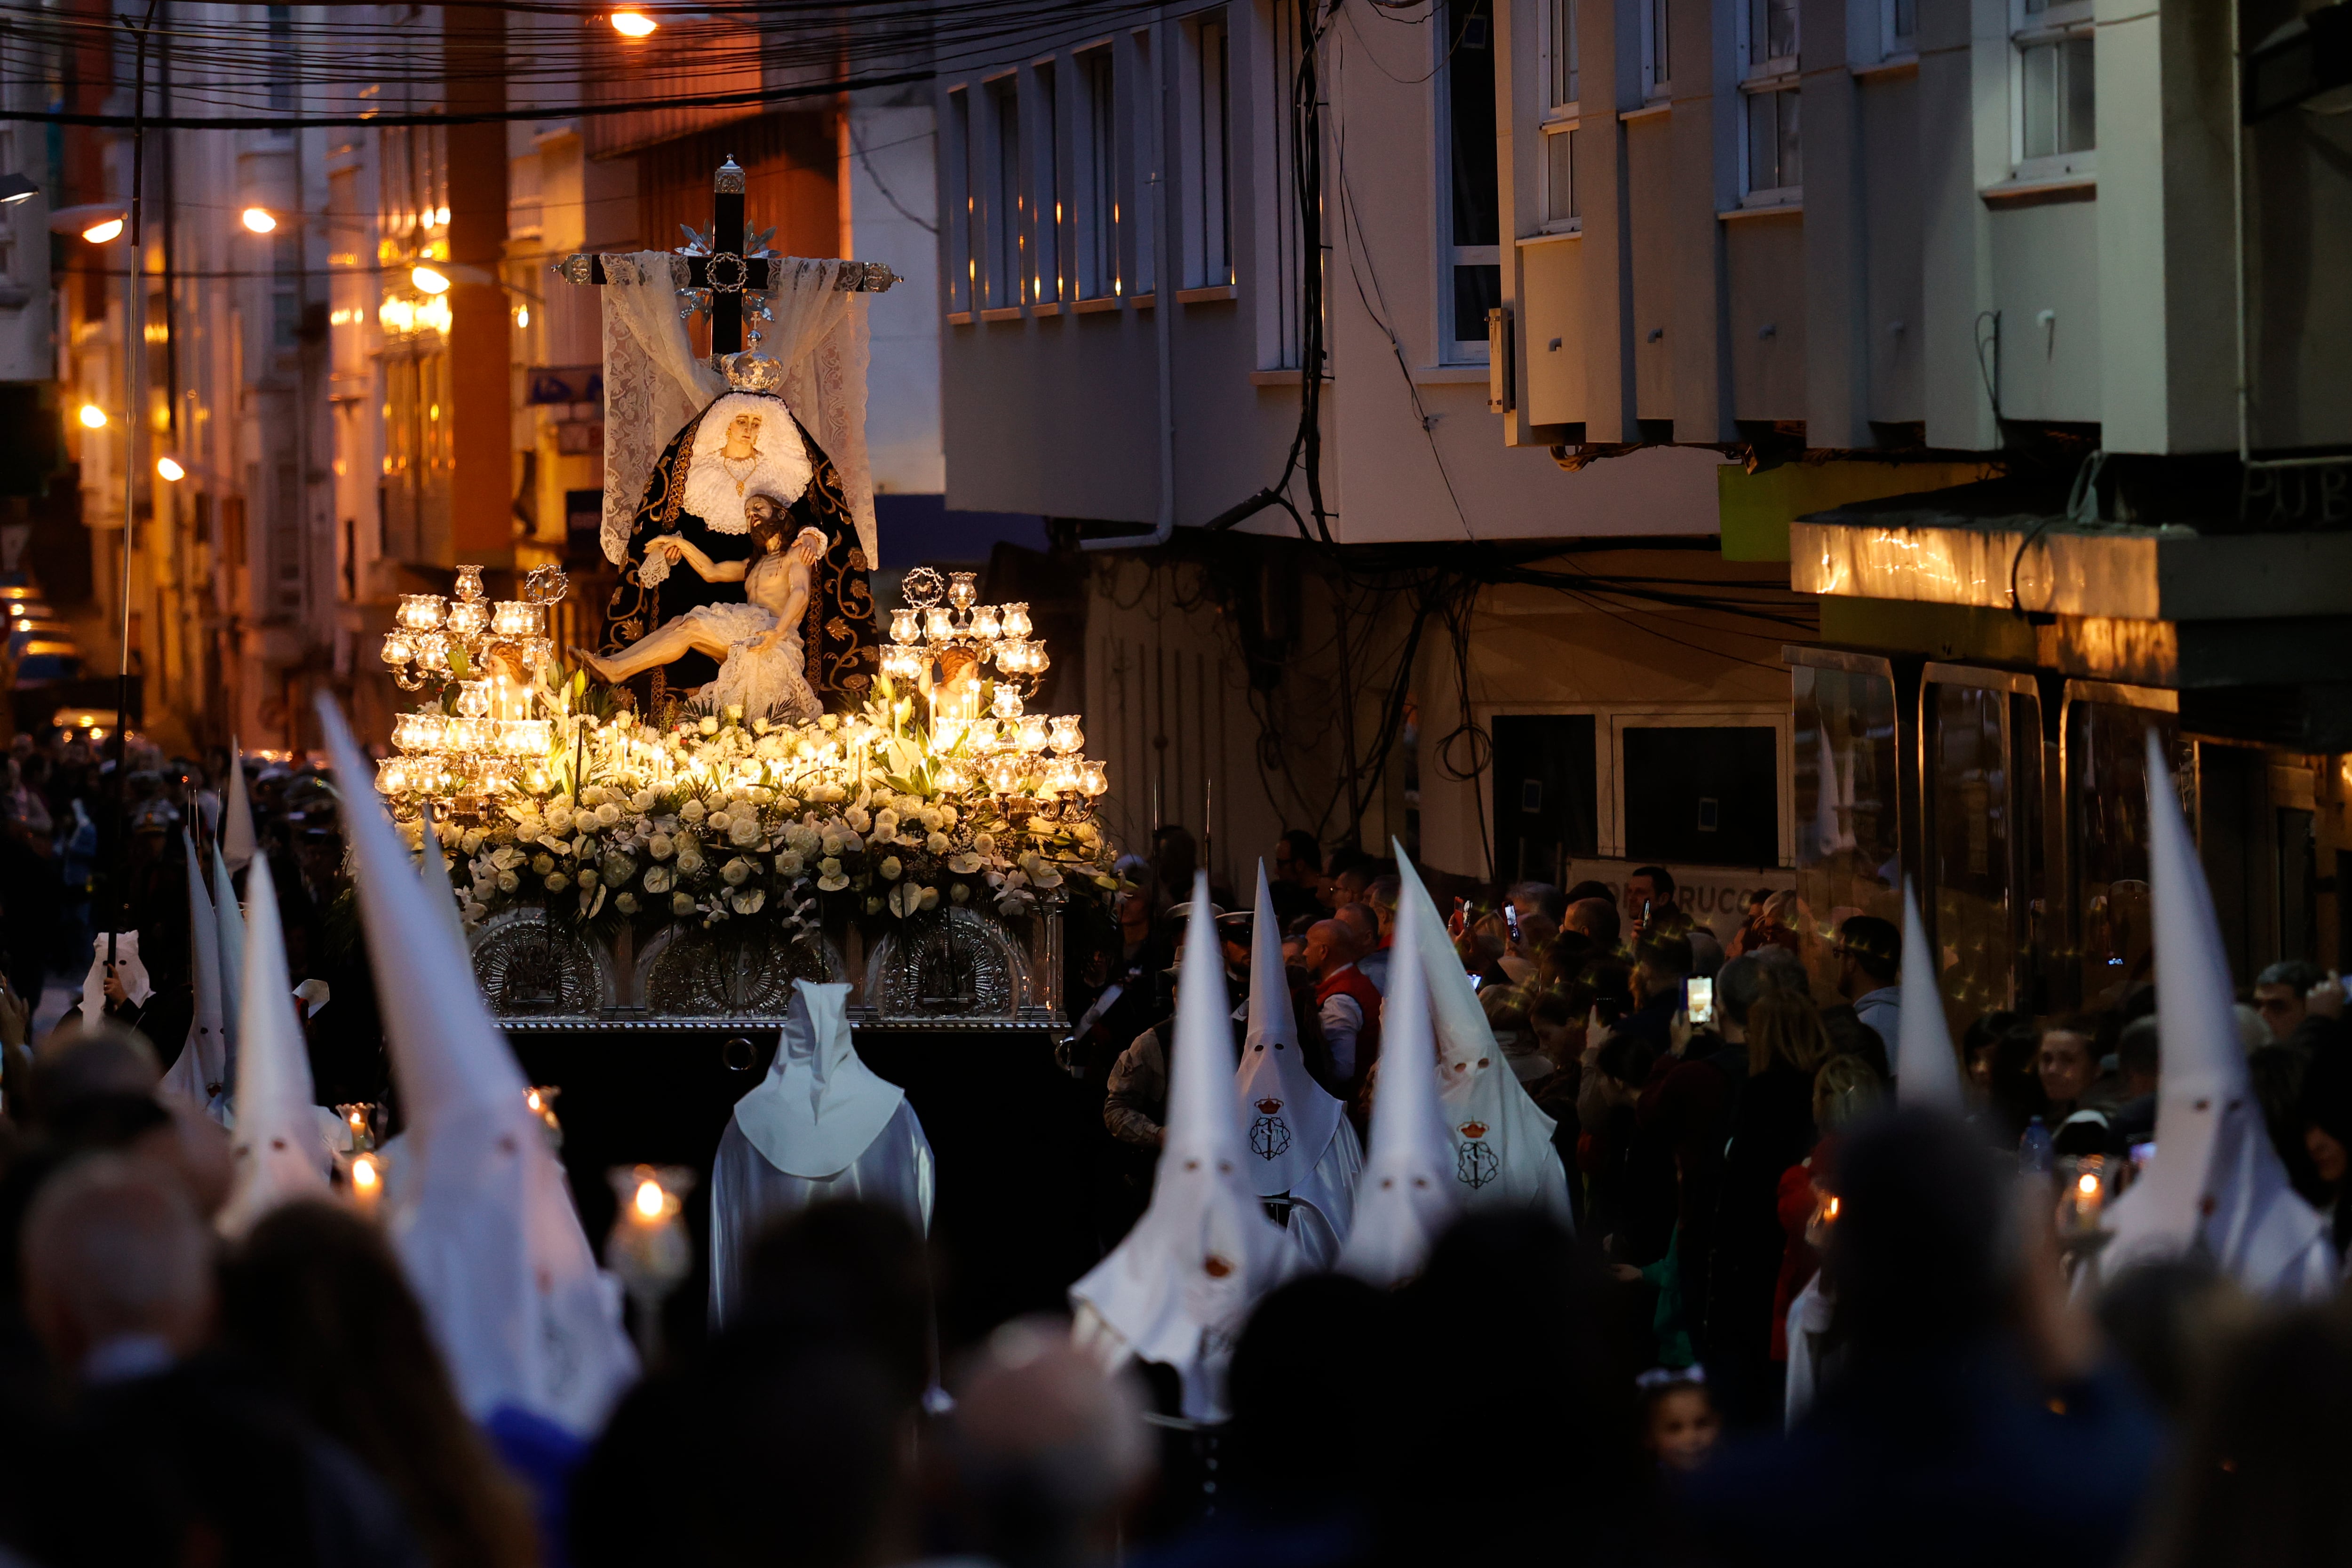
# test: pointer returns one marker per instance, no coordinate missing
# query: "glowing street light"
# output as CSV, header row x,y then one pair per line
x,y
92,417
431,281
258,220
634,23
169,467
105,229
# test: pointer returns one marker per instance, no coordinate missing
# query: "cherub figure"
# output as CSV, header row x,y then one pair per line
x,y
763,666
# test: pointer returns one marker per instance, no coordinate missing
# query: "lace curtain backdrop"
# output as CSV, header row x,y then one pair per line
x,y
654,383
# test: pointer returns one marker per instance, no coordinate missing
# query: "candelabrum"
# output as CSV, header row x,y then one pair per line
x,y
485,733
945,634
437,639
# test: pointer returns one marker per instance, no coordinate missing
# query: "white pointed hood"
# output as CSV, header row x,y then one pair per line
x,y
229,942
200,1074
276,1152
1925,1070
1290,1117
2215,1184
482,1218
820,1106
237,835
1178,1289
1504,1154
128,968
1407,1195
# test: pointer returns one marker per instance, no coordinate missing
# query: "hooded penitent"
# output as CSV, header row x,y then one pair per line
x,y
1178,1289
229,942
128,969
1502,1151
200,1074
2215,1186
1300,1142
1408,1195
277,1152
236,835
821,1125
1925,1070
481,1216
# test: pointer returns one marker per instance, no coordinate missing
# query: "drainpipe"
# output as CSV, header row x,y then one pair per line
x,y
1163,307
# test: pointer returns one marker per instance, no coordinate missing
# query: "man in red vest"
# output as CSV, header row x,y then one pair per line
x,y
1347,1005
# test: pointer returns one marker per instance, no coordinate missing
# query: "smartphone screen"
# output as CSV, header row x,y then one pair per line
x,y
1698,1000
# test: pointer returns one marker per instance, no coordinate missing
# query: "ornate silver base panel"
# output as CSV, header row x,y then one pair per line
x,y
955,966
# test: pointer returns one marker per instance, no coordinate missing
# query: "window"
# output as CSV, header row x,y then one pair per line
x,y
1559,47
2106,800
1004,248
1045,231
963,265
2057,107
1768,79
1657,65
1280,239
1703,795
1898,31
1147,167
1561,210
1207,165
1095,179
1472,275
1546,811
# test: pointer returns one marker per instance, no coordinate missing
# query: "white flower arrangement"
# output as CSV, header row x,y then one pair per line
x,y
713,819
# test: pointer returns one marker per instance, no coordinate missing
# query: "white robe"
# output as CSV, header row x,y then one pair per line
x,y
1323,1206
748,1194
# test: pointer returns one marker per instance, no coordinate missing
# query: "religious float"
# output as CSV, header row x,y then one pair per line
x,y
747,785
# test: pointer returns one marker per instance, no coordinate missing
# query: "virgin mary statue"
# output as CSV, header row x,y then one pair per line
x,y
774,614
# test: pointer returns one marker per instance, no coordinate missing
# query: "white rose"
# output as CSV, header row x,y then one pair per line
x,y
931,818
931,898
788,864
587,876
681,903
885,824
721,819
858,818
891,868
642,801
937,843
607,814
830,866
736,871
626,903
693,811
509,882
559,820
984,843
745,829
557,881
472,841
542,864
710,725
657,878
661,847
959,893
689,859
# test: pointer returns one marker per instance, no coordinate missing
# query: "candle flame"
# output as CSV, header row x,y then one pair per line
x,y
2087,1184
651,1200
364,1175
1830,1210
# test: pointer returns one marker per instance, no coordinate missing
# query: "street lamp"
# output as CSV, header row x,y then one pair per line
x,y
14,188
92,417
429,280
258,220
169,467
103,231
634,23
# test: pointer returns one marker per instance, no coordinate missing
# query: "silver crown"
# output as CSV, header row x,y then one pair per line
x,y
751,371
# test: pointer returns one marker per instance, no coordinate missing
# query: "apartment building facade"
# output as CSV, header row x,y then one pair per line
x,y
2052,236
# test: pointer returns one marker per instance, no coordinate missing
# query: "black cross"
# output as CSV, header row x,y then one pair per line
x,y
713,270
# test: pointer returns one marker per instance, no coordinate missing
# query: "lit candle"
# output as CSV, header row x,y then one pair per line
x,y
367,1183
